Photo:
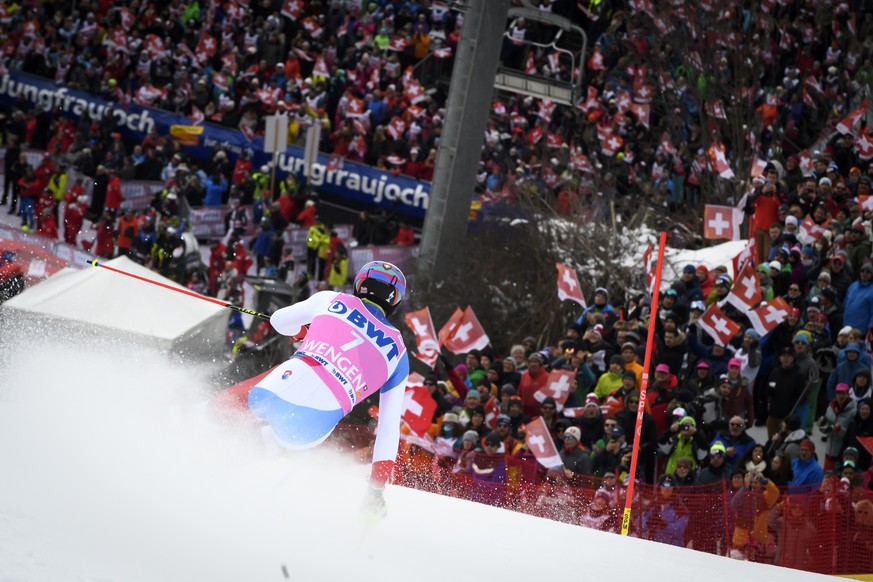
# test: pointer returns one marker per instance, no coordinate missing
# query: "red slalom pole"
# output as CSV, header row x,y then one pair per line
x,y
95,263
650,342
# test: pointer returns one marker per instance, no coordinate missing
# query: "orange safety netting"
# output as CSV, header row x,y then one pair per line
x,y
829,531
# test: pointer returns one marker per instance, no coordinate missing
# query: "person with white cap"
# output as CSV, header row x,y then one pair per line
x,y
576,458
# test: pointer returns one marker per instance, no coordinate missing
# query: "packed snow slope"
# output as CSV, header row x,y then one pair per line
x,y
112,474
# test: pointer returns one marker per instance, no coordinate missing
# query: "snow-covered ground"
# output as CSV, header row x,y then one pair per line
x,y
111,475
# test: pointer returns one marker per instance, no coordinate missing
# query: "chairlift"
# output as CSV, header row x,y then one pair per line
x,y
567,47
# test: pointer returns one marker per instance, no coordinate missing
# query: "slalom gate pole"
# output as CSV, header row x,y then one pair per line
x,y
638,429
95,263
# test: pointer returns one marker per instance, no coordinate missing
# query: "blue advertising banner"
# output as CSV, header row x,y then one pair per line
x,y
353,181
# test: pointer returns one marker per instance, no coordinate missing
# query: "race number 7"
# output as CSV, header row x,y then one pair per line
x,y
355,342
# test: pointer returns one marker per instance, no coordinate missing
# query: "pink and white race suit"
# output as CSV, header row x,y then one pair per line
x,y
350,352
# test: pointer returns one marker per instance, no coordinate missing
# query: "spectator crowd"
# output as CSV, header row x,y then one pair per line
x,y
651,132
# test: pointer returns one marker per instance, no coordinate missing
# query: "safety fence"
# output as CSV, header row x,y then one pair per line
x,y
829,531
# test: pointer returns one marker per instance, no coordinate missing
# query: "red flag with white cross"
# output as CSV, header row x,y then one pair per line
x,y
721,222
746,256
467,335
291,9
540,443
558,386
766,317
568,285
718,325
418,409
426,341
746,291
449,327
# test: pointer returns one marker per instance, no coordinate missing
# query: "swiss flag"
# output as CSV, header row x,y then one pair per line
x,y
291,9
558,387
492,411
426,340
247,131
127,18
568,285
581,162
196,116
335,162
553,140
758,166
414,92
591,102
721,222
612,143
154,45
847,125
206,48
467,335
446,330
535,135
649,262
530,66
311,26
399,44
443,53
746,292
355,107
720,162
718,325
745,256
396,128
418,409
766,317
809,231
596,62
415,111
547,108
117,40
864,144
320,68
804,161
499,108
540,443
641,112
715,109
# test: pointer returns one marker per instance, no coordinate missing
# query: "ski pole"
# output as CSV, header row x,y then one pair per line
x,y
95,263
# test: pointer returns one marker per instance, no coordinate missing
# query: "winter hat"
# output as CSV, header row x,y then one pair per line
x,y
750,331
717,448
616,432
450,417
776,265
801,336
824,276
845,331
662,368
702,364
724,379
791,219
679,413
807,444
508,389
548,400
629,374
602,291
471,435
591,400
666,480
617,360
842,387
698,305
493,439
851,453
830,294
764,267
735,362
461,369
514,400
574,432
504,418
474,394
689,269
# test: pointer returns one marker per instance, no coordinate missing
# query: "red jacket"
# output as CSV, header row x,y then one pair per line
x,y
47,227
114,195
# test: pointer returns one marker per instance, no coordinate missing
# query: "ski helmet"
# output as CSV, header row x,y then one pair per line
x,y
382,283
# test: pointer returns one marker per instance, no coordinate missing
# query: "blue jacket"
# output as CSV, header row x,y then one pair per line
x,y
845,371
858,306
605,310
808,475
214,192
740,444
718,365
264,242
666,523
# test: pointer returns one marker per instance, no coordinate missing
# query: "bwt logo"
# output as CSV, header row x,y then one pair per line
x,y
360,321
287,374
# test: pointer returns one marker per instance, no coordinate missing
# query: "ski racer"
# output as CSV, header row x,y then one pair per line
x,y
350,351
